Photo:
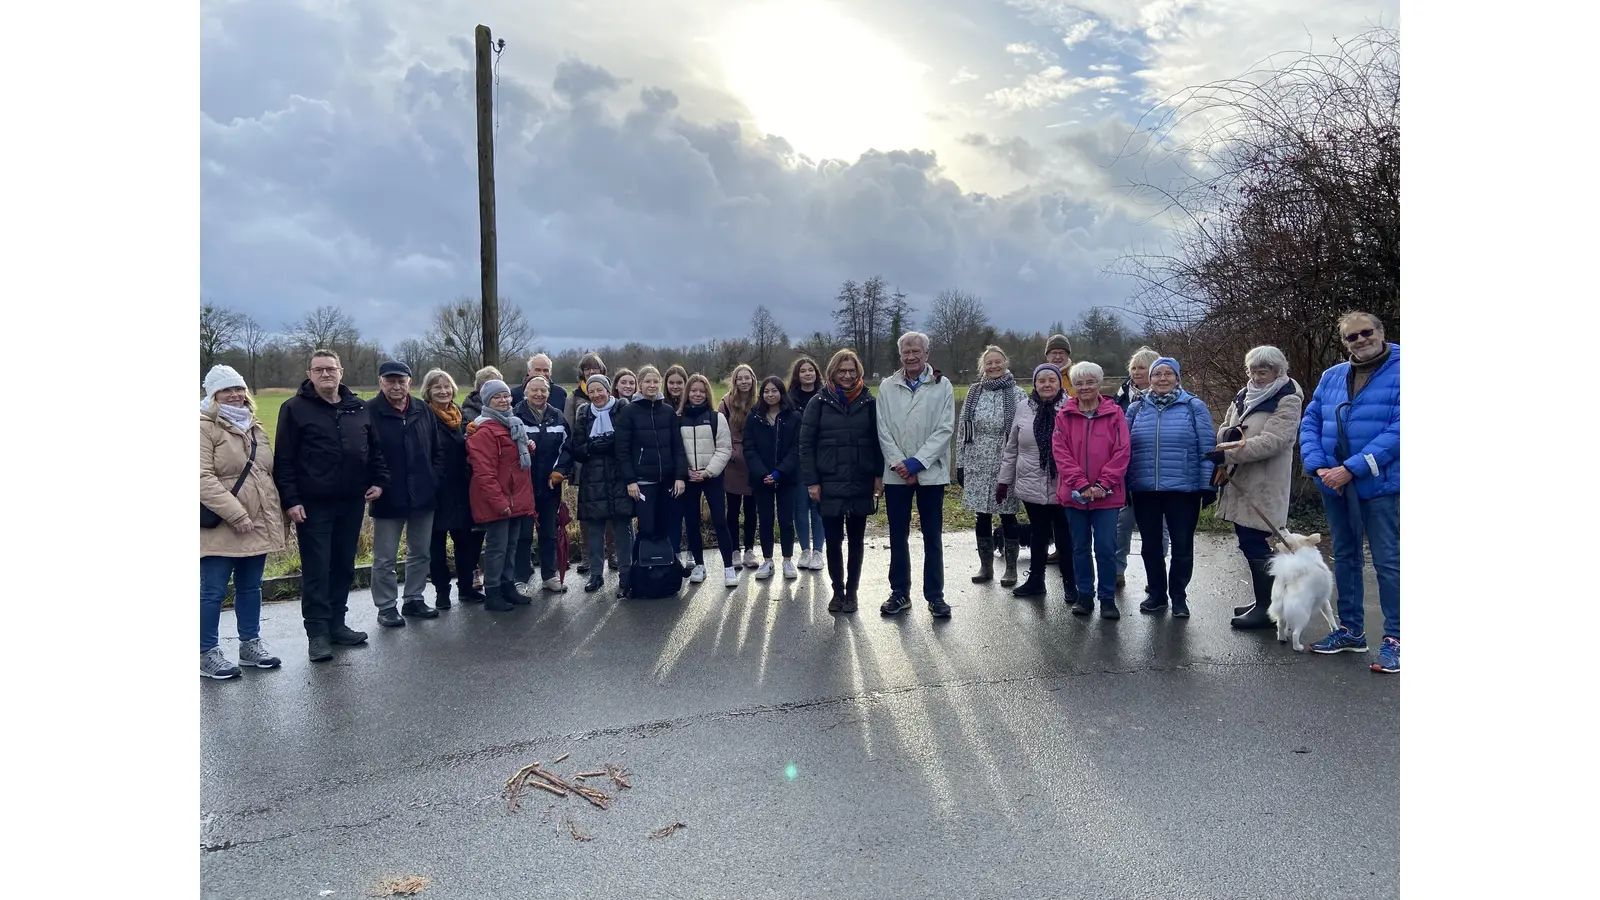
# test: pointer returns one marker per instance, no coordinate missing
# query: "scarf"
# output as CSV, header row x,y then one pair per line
x,y
849,397
1361,372
1162,401
1253,395
969,409
519,432
1044,429
602,418
449,414
240,416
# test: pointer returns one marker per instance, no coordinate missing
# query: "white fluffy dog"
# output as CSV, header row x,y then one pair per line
x,y
1302,586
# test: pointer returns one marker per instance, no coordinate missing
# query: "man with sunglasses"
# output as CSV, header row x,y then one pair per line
x,y
1350,442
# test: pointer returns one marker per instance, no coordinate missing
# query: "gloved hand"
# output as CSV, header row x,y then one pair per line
x,y
1207,498
1000,491
1216,457
1233,434
961,476
555,481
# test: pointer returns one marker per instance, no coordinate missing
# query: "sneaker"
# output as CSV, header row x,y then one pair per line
x,y
896,604
319,648
1388,657
1152,605
730,576
817,562
1108,610
214,664
789,569
765,571
750,559
1341,640
1180,609
850,601
697,574
1084,605
525,588
418,609
554,585
345,636
939,609
390,616
255,653
836,602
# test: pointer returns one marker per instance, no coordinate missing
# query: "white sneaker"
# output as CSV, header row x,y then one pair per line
x,y
526,589
698,575
554,584
788,569
765,571
817,562
750,559
730,576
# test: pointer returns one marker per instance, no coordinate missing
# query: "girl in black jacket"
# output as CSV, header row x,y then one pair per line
x,y
650,453
841,463
772,451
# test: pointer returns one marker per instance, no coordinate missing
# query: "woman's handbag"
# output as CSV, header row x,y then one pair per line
x,y
209,519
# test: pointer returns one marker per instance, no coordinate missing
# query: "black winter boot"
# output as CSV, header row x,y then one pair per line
x,y
1256,615
1034,586
985,559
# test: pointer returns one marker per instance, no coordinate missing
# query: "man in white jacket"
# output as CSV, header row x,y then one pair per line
x,y
916,420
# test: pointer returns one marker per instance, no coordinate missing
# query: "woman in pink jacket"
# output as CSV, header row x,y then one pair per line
x,y
1091,449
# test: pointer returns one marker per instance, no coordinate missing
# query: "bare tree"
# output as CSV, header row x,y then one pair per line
x,y
958,328
767,340
220,329
326,327
456,336
253,338
819,346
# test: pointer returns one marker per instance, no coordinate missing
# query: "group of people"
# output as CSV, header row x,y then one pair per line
x,y
809,458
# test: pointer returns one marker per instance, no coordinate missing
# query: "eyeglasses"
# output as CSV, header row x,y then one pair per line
x,y
324,370
1354,336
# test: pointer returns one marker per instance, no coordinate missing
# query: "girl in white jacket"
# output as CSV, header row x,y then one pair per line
x,y
707,446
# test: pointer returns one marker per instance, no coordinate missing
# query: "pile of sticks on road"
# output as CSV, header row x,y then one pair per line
x,y
536,775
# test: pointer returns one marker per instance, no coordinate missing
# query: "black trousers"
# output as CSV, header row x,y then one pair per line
x,y
834,529
1180,510
469,546
1049,521
1008,525
766,497
328,562
654,509
735,501
689,505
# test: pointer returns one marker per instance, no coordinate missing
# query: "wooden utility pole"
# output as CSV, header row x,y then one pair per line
x,y
489,255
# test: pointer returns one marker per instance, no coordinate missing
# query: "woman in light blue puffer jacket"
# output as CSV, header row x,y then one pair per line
x,y
1172,434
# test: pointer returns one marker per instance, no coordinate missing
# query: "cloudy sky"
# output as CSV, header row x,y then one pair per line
x,y
665,166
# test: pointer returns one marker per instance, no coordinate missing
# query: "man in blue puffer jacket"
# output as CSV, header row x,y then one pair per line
x,y
1350,442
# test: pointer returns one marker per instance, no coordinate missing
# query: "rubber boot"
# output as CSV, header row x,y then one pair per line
x,y
1256,615
1010,576
985,559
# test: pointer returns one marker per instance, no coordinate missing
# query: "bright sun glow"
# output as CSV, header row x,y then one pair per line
x,y
822,81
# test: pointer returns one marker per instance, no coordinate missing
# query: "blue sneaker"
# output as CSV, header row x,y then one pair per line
x,y
1340,641
1388,657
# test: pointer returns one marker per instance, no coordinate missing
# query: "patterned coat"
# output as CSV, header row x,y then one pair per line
x,y
979,461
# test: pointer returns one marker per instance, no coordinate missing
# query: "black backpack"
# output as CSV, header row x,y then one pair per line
x,y
655,572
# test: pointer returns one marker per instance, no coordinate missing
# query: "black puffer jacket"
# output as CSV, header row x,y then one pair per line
x,y
602,494
769,446
412,453
839,450
453,511
547,434
326,451
649,447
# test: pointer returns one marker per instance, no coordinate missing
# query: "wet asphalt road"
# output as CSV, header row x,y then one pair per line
x,y
1011,751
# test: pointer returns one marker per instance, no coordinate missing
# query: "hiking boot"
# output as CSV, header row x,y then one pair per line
x,y
765,572
555,585
1152,605
1341,640
345,636
697,574
255,653
836,602
939,609
789,571
390,617
1255,615
1083,606
1388,657
896,604
1010,577
441,597
214,664
319,648
985,560
1108,610
470,594
730,576
418,609
514,594
497,602
1033,587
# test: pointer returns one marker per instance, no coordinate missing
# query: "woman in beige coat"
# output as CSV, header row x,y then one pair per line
x,y
1255,446
252,520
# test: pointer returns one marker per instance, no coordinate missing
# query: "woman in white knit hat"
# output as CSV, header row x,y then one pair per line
x,y
241,520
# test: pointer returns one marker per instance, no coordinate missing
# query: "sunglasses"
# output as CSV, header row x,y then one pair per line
x,y
1354,336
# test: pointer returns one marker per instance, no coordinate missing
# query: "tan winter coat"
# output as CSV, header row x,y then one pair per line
x,y
223,452
1265,463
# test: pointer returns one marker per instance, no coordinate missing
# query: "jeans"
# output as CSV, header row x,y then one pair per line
x,y
386,546
930,510
1049,522
468,547
765,497
595,547
807,520
246,574
748,501
1125,525
1178,512
711,489
546,504
835,529
1094,547
1380,519
327,541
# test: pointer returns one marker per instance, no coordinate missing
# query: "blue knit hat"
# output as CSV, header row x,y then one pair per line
x,y
1167,361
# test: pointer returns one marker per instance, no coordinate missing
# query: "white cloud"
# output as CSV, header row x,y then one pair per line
x,y
1046,88
1105,67
1078,33
964,75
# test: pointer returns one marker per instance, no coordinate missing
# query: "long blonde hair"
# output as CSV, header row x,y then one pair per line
x,y
738,406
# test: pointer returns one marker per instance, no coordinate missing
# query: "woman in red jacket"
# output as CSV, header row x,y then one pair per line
x,y
1091,450
501,491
